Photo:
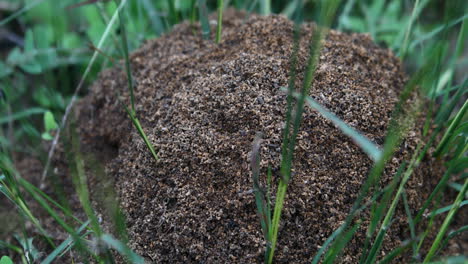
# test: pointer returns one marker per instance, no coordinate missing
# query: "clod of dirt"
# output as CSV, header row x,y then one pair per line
x,y
201,105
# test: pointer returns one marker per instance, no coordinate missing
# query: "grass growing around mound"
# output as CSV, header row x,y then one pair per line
x,y
51,51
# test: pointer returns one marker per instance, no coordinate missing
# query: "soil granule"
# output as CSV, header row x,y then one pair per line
x,y
201,105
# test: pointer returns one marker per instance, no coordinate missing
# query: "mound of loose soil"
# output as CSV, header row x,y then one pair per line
x,y
201,105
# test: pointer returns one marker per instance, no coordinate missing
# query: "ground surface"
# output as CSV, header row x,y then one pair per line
x,y
201,105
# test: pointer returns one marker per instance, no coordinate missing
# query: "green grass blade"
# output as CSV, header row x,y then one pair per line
x,y
390,257
52,201
453,125
337,251
63,246
18,13
371,149
394,136
260,196
446,110
377,214
173,16
220,20
388,218
203,14
291,88
280,195
22,114
9,186
437,30
265,7
123,35
99,46
53,214
446,223
405,44
4,245
453,234
448,208
131,112
141,132
410,219
440,186
122,249
154,17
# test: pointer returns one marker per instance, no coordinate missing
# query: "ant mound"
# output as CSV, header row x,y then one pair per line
x,y
201,105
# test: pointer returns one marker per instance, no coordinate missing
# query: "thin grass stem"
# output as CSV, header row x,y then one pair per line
x,y
446,223
220,21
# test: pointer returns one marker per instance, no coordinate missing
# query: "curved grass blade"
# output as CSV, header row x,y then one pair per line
x,y
453,125
205,24
122,249
104,36
20,12
446,223
261,198
63,246
390,257
337,251
371,149
448,208
22,114
142,133
453,234
388,218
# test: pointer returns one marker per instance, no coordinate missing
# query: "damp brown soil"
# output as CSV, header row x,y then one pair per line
x,y
201,105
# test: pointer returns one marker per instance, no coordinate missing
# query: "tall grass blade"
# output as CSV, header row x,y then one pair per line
x,y
173,16
265,7
203,14
154,17
453,125
404,47
440,186
261,198
18,13
446,223
437,30
123,35
104,36
141,132
447,109
448,208
122,249
387,220
410,219
453,234
338,250
27,186
63,246
22,114
378,212
327,15
131,112
280,195
220,20
9,186
390,257
394,136
371,149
